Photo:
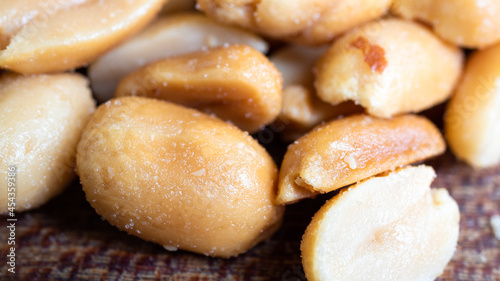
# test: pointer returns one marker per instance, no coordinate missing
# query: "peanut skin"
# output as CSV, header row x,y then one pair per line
x,y
236,83
348,150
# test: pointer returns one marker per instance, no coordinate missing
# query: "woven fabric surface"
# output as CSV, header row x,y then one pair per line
x,y
67,240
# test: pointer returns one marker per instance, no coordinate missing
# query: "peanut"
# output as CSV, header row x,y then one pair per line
x,y
348,150
178,177
472,119
73,37
389,67
169,36
42,117
236,83
302,109
392,227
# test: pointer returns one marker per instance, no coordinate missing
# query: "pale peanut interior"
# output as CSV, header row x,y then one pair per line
x,y
388,228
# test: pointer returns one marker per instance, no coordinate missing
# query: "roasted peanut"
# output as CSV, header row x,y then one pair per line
x,y
169,36
472,119
42,119
15,14
177,6
236,83
467,23
389,67
295,64
178,177
342,17
348,150
71,37
391,227
302,109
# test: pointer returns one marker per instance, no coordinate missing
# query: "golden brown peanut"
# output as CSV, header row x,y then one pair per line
x,y
295,64
169,36
391,227
302,109
467,23
348,150
275,18
177,177
73,37
389,67
236,83
472,119
42,119
302,21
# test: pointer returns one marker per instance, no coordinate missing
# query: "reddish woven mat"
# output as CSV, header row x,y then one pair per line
x,y
66,240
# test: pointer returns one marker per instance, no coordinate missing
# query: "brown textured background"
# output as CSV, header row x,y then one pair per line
x,y
67,240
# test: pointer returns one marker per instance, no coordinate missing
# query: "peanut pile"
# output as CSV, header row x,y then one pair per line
x,y
151,103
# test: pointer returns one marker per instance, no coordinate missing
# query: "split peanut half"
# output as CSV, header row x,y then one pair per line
x,y
472,119
302,109
178,177
67,37
391,227
42,117
389,67
345,151
236,83
467,23
178,6
169,36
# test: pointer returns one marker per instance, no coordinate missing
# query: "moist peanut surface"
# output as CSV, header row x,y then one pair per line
x,y
236,83
348,150
177,177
